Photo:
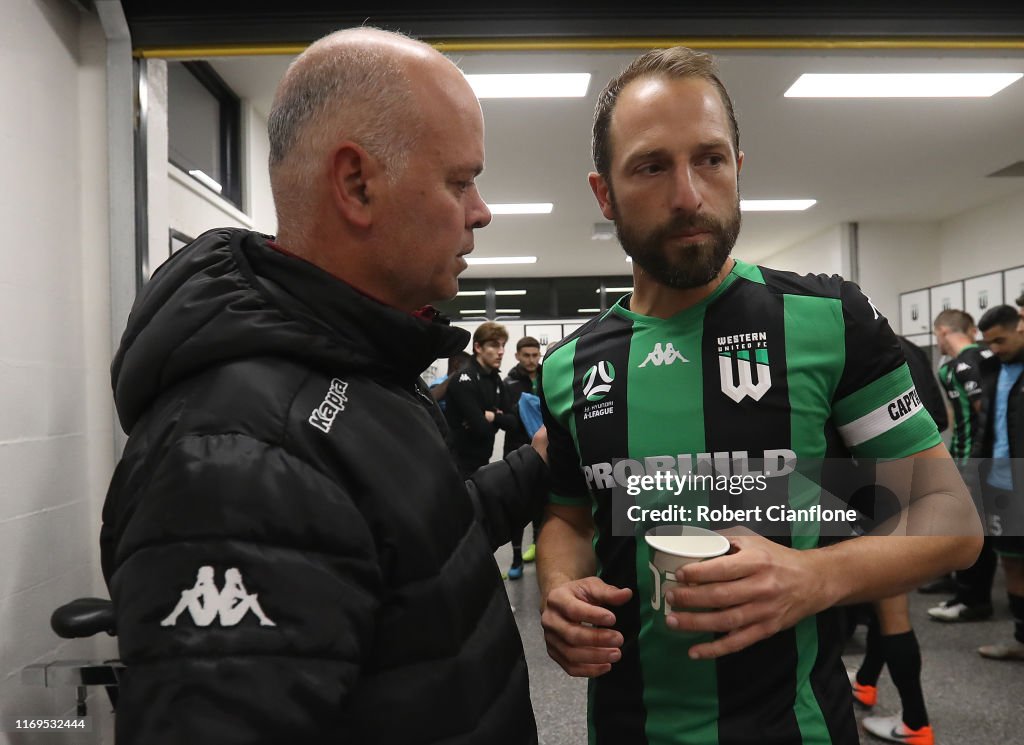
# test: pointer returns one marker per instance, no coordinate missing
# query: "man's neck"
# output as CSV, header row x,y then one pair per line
x,y
652,298
485,368
959,343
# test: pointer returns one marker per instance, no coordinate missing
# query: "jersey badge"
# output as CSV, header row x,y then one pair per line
x,y
663,355
597,384
743,365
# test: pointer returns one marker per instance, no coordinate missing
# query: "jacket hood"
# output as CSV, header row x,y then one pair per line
x,y
228,295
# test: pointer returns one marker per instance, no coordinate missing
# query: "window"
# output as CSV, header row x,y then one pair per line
x,y
203,122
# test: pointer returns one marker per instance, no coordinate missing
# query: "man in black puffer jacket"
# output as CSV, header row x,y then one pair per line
x,y
291,552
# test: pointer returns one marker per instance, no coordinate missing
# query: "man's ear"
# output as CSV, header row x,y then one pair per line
x,y
600,188
354,175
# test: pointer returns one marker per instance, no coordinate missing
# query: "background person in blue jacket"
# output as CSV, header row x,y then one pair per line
x,y
522,379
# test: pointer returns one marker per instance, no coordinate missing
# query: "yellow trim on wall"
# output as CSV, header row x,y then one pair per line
x,y
611,44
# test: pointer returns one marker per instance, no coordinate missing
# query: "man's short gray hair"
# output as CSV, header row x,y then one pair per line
x,y
355,89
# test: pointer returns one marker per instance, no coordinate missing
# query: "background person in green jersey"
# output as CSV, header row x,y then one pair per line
x,y
967,378
667,155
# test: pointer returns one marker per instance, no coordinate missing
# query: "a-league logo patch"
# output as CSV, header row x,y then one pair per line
x,y
597,381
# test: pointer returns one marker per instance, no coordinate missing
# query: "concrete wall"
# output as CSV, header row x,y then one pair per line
x,y
982,240
820,254
55,433
895,258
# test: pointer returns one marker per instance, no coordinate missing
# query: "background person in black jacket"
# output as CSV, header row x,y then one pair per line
x,y
285,455
1003,481
522,379
477,404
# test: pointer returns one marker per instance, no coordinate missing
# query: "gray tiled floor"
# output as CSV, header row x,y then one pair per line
x,y
971,701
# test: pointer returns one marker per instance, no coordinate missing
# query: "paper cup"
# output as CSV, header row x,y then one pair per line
x,y
674,546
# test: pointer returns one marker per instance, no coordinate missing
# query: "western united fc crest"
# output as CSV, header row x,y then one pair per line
x,y
743,365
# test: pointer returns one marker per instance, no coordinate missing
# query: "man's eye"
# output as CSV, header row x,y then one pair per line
x,y
650,169
714,160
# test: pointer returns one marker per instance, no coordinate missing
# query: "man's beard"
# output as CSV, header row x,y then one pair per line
x,y
687,267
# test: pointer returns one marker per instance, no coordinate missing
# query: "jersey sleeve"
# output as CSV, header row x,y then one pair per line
x,y
567,483
968,374
876,407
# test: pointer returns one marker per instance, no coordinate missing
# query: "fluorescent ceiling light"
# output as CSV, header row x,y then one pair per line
x,y
481,293
614,289
502,260
535,208
776,205
205,180
473,311
507,310
520,85
901,85
588,310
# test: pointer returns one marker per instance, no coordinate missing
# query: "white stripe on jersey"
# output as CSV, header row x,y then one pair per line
x,y
886,417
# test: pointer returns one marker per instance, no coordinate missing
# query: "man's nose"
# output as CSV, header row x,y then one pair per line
x,y
478,215
686,196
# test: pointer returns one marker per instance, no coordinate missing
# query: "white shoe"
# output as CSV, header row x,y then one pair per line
x,y
951,612
893,729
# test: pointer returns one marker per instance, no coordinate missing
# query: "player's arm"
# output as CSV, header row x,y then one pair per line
x,y
762,587
574,602
577,625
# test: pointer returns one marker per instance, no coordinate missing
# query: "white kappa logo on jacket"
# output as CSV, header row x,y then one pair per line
x,y
323,415
205,603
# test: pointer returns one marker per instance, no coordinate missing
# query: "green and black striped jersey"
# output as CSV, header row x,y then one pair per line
x,y
769,363
961,377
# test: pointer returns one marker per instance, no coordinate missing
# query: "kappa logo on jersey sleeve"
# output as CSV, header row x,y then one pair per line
x,y
334,402
741,357
962,367
464,378
597,381
663,355
206,603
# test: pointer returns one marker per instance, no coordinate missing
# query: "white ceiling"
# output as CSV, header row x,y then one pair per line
x,y
863,160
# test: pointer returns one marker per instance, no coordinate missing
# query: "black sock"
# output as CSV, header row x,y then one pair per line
x,y
1017,611
974,584
903,656
517,555
874,657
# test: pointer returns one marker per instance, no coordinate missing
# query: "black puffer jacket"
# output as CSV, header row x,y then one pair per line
x,y
287,474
